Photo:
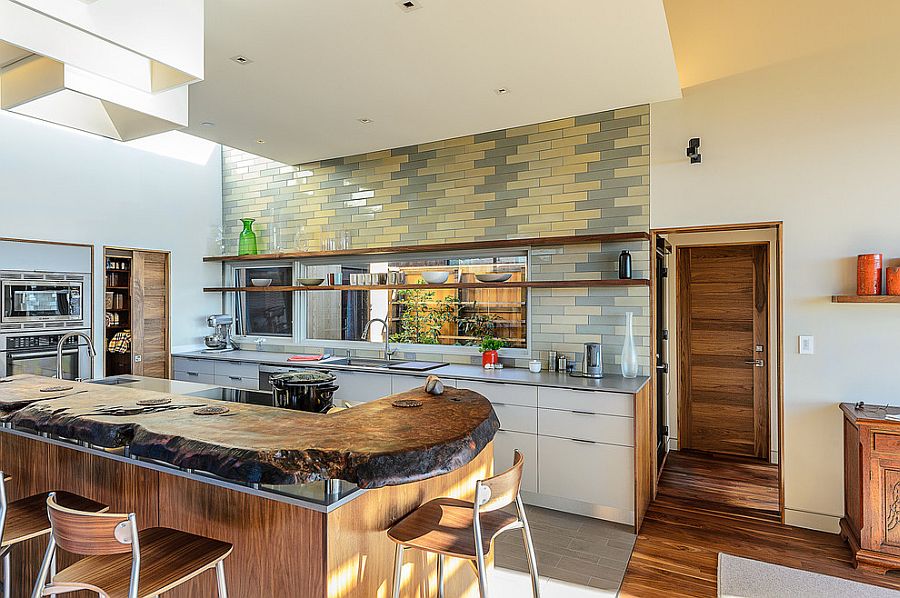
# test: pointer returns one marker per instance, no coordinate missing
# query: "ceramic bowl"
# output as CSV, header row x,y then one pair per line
x,y
260,282
494,277
310,282
439,277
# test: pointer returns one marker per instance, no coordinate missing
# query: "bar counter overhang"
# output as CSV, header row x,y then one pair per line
x,y
250,477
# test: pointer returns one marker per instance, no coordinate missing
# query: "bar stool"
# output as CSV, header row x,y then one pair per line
x,y
458,528
26,518
161,558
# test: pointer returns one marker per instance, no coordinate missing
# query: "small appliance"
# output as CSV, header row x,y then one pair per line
x,y
592,364
220,340
48,299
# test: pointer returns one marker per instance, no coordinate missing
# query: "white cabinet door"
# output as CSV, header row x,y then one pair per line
x,y
499,392
194,377
592,401
505,443
360,387
194,365
515,418
581,425
599,474
241,369
401,383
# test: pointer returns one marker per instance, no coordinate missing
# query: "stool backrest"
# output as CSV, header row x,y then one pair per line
x,y
90,533
502,489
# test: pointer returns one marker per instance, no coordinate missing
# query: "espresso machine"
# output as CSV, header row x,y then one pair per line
x,y
220,340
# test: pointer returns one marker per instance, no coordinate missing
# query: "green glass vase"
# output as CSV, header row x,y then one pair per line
x,y
247,240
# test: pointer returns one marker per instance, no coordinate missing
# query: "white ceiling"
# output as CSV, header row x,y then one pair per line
x,y
320,65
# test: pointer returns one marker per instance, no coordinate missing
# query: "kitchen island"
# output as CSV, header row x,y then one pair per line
x,y
255,476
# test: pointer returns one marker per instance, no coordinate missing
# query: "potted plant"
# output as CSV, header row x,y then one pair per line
x,y
489,347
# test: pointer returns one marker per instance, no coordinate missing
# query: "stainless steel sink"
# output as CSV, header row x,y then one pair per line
x,y
365,362
396,364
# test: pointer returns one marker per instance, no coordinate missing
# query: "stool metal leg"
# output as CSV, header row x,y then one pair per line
x,y
398,568
529,548
53,571
220,579
7,580
440,560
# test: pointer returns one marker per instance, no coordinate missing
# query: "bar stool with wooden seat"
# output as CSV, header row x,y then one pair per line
x,y
26,518
160,559
461,529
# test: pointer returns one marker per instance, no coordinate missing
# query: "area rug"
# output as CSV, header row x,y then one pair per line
x,y
746,578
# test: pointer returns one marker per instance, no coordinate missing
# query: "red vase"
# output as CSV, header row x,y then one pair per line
x,y
868,274
489,358
892,280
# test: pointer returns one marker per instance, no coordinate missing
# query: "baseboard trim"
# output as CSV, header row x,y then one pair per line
x,y
579,508
816,521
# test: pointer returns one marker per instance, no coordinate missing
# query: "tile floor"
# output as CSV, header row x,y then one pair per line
x,y
577,556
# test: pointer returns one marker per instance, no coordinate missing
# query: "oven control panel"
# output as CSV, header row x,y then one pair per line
x,y
43,341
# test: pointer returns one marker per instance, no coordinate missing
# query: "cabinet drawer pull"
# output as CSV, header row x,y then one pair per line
x,y
192,373
582,441
235,377
583,412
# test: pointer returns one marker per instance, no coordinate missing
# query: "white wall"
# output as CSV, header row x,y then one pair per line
x,y
815,143
60,185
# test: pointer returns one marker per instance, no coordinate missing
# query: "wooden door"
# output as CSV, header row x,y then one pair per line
x,y
723,314
150,314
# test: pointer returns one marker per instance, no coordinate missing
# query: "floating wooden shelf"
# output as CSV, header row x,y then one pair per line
x,y
531,284
439,247
865,299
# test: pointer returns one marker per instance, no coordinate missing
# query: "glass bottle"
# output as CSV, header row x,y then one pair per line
x,y
629,352
247,240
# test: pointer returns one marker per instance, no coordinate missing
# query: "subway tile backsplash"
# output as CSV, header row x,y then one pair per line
x,y
583,175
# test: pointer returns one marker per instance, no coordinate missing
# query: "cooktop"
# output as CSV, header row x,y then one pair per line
x,y
235,395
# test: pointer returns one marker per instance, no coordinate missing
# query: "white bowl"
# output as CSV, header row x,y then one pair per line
x,y
494,277
260,282
310,282
436,277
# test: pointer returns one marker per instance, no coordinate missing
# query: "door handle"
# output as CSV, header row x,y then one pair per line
x,y
760,363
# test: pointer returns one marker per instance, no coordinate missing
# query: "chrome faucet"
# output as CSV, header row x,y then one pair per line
x,y
387,343
59,352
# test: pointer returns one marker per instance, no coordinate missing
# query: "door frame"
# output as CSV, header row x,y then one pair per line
x,y
778,227
168,299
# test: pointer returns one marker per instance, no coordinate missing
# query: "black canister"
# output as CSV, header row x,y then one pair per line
x,y
624,265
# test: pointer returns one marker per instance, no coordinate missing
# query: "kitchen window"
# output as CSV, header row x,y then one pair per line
x,y
265,314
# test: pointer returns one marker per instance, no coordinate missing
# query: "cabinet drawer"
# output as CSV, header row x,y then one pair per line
x,y
599,474
887,443
609,429
195,377
360,387
591,401
194,365
241,369
238,382
508,394
515,418
505,445
404,383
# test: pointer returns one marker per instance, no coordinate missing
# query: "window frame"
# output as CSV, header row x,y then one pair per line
x,y
238,297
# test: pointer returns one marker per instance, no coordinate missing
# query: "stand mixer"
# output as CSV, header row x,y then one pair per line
x,y
220,340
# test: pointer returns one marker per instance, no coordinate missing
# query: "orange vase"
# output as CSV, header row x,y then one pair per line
x,y
868,274
892,280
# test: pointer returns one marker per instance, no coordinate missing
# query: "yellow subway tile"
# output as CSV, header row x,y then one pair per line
x,y
524,130
460,166
429,170
545,163
517,158
533,147
631,171
567,141
528,184
632,141
483,171
533,174
585,186
641,130
558,206
569,225
583,214
582,130
565,197
558,152
558,180
570,169
632,111
553,125
543,218
546,136
582,158
456,191
522,211
638,160
386,168
546,189
638,190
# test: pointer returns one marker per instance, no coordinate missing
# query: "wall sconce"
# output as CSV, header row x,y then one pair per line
x,y
693,150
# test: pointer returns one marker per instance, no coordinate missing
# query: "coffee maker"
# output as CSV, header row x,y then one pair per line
x,y
592,366
220,340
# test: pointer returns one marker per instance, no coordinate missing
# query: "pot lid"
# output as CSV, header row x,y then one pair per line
x,y
304,377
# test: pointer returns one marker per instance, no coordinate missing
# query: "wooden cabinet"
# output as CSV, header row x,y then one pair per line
x,y
871,522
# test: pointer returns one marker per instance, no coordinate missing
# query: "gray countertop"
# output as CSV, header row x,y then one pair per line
x,y
609,383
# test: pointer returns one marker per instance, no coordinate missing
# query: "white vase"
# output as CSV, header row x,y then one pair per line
x,y
629,352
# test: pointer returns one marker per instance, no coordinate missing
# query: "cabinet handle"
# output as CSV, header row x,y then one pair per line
x,y
235,377
192,373
583,412
582,441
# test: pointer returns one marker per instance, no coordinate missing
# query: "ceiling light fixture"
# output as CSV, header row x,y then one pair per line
x,y
409,5
241,59
260,141
365,121
206,123
501,91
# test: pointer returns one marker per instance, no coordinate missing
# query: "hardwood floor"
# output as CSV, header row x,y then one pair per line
x,y
706,506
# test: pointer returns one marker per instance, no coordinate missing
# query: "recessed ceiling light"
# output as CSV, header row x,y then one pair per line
x,y
501,91
241,59
365,121
409,5
206,123
260,141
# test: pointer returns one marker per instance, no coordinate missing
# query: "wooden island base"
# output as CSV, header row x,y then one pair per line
x,y
280,549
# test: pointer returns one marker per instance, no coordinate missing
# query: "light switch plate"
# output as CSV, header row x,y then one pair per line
x,y
807,345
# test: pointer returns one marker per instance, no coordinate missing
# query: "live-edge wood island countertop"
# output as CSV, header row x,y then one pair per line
x,y
372,445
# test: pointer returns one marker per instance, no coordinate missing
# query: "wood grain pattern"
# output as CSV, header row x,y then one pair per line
x,y
865,299
644,453
372,445
722,318
432,247
675,555
150,313
361,556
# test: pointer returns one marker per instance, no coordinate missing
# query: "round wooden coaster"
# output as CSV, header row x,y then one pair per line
x,y
152,402
211,410
407,403
56,388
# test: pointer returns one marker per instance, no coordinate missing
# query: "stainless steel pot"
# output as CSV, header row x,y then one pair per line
x,y
304,390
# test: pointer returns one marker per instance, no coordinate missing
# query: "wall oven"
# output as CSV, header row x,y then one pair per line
x,y
26,300
35,353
